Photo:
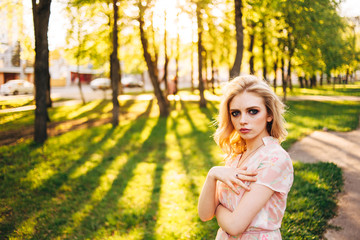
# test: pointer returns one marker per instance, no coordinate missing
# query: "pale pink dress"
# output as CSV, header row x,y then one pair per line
x,y
275,171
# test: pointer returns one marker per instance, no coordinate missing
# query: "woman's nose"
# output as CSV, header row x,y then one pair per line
x,y
243,119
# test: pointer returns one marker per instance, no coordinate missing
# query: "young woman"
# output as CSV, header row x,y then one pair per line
x,y
248,195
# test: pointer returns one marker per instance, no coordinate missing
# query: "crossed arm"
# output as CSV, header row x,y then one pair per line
x,y
236,222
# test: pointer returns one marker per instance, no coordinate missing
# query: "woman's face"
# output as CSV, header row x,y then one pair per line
x,y
249,116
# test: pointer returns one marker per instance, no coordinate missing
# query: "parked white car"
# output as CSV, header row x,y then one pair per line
x,y
17,86
100,84
130,82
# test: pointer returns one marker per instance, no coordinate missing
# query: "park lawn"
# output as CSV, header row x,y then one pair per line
x,y
17,102
24,100
303,117
96,109
141,180
351,89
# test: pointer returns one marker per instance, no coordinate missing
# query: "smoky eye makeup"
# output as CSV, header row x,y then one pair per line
x,y
235,113
253,111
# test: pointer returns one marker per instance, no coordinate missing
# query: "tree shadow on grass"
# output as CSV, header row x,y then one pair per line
x,y
191,166
107,208
48,200
30,200
77,111
24,118
87,184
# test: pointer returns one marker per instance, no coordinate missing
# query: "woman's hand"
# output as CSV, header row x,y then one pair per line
x,y
233,176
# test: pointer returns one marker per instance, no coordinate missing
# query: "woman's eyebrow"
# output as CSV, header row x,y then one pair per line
x,y
237,109
252,107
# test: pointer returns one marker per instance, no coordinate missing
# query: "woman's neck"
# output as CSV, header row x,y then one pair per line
x,y
253,144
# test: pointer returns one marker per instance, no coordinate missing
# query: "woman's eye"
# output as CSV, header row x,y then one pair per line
x,y
253,111
235,113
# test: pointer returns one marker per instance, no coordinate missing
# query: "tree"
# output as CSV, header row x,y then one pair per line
x,y
235,70
151,64
15,58
41,14
166,62
77,15
252,26
115,69
200,58
177,57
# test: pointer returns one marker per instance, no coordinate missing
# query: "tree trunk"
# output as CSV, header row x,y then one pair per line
x,y
78,57
115,69
192,60
301,81
328,77
322,79
235,70
41,14
201,82
192,67
263,45
291,53
283,78
156,53
78,76
275,75
212,75
80,87
251,48
289,81
205,67
165,77
306,81
313,81
177,55
152,67
48,95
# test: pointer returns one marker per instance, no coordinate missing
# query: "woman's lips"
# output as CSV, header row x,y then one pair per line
x,y
244,130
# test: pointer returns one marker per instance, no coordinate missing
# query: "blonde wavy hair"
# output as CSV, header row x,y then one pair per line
x,y
225,135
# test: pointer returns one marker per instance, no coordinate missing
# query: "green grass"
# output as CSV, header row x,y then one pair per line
x,y
142,179
303,117
312,200
325,90
21,101
16,102
91,110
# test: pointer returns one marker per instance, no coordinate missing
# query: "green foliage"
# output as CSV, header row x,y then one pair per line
x,y
142,179
88,39
313,33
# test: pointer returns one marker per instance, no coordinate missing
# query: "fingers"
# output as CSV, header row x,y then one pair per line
x,y
231,185
247,173
243,176
243,185
246,178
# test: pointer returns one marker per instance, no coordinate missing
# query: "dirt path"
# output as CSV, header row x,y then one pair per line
x,y
343,149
